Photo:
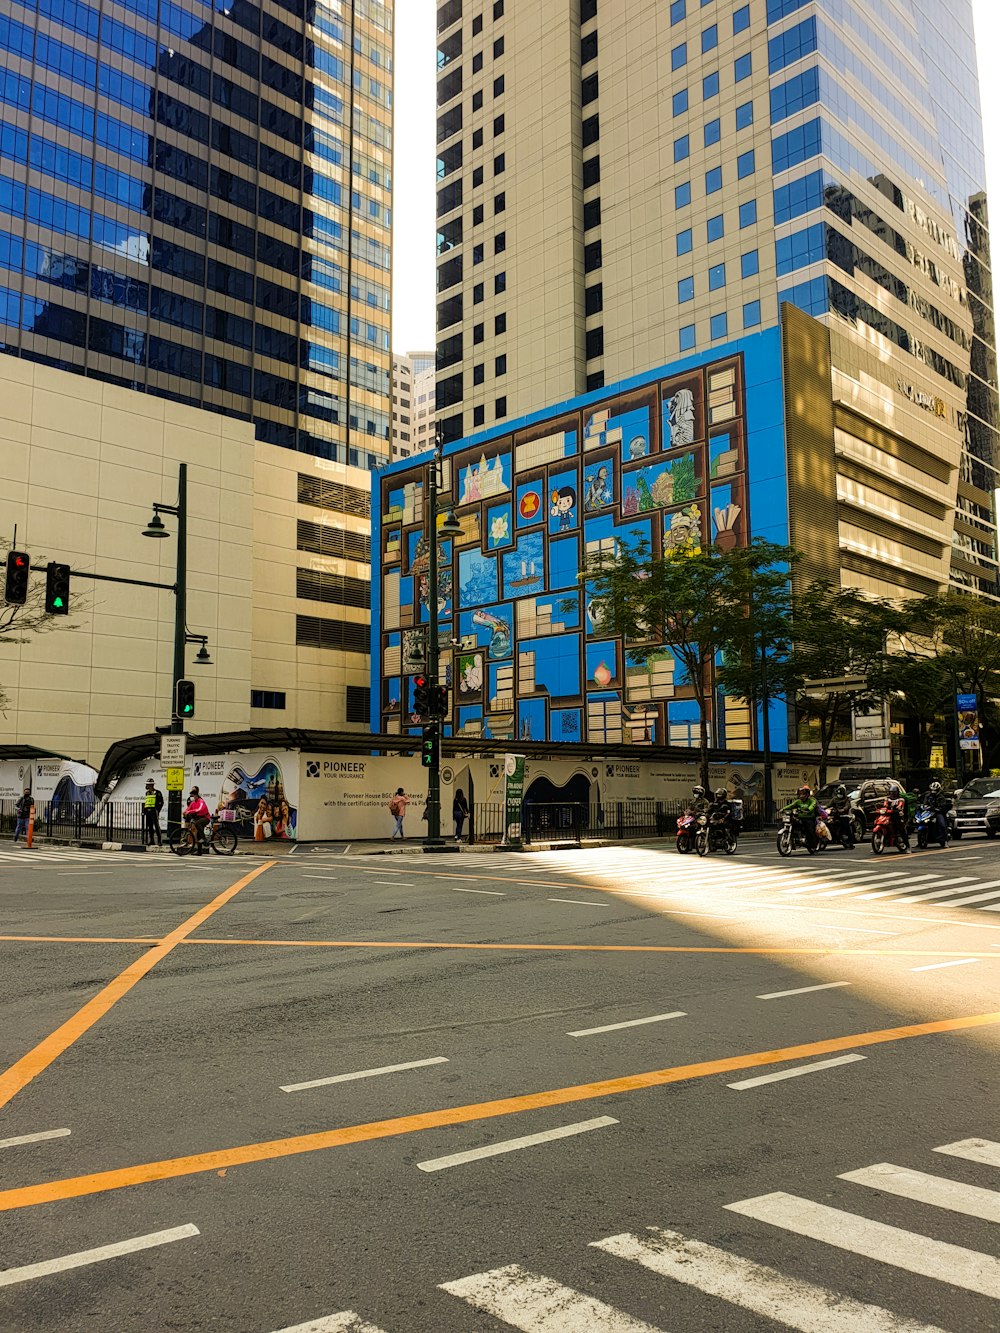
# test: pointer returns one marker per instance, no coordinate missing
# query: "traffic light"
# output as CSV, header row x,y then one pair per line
x,y
439,701
430,747
421,696
184,699
57,589
18,571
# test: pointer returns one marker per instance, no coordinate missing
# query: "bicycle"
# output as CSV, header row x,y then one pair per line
x,y
219,837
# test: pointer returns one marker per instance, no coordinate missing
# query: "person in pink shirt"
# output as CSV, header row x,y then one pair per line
x,y
197,814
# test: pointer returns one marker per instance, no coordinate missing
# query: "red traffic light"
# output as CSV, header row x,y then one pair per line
x,y
419,682
17,575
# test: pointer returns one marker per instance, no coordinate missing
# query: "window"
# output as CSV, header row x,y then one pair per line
x,y
500,365
359,702
591,172
713,132
479,415
743,67
318,632
749,264
316,585
498,86
746,165
710,86
270,698
715,228
477,61
594,299
682,194
595,343
591,214
591,256
595,381
682,148
591,131
716,277
741,19
499,283
684,242
499,125
680,102
678,11
477,294
679,56
478,253
478,333
500,408
710,38
479,373
499,242
499,202
751,314
477,178
588,90
498,48
685,290
719,326
324,494
327,539
748,213
744,115
477,25
498,10
477,138
588,48
687,337
477,215
713,180
477,100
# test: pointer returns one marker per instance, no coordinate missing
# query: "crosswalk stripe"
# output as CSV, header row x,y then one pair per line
x,y
945,888
346,1322
913,1253
974,1150
992,891
972,1200
752,1286
537,1304
927,880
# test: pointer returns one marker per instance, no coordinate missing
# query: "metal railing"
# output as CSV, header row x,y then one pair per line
x,y
76,821
573,821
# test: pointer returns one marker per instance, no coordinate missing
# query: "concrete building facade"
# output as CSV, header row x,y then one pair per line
x,y
412,403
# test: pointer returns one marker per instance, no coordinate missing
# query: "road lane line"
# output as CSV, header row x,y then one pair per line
x,y
514,1145
320,877
345,1322
974,1150
34,1138
76,1187
492,893
789,1301
939,1192
955,962
803,990
395,883
536,1304
364,1073
875,1240
632,1023
83,1257
796,1072
48,1050
579,902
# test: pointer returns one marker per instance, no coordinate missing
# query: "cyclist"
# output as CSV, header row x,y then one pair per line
x,y
197,814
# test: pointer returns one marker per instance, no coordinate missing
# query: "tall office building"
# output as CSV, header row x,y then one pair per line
x,y
412,403
195,201
631,187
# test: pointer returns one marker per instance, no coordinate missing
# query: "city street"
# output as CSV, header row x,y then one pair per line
x,y
597,1091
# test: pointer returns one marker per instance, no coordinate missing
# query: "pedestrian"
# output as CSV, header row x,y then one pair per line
x,y
397,808
152,804
460,812
197,814
22,813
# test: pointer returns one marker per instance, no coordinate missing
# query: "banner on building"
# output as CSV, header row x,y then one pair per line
x,y
968,721
513,784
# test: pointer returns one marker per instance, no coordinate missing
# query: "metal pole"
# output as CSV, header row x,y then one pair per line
x,y
434,771
766,719
180,629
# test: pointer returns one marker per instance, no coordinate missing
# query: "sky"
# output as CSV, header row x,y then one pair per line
x,y
413,204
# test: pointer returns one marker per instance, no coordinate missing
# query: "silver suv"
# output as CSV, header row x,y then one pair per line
x,y
972,803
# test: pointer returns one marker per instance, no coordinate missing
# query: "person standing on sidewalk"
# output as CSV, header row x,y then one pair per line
x,y
152,804
397,808
460,812
22,813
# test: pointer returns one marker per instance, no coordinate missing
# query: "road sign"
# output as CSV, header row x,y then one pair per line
x,y
173,751
175,779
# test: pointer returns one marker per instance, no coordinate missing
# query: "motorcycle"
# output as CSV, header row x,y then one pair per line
x,y
687,824
842,829
715,835
928,827
795,834
890,828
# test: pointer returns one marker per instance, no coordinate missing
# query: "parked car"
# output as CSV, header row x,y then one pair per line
x,y
976,808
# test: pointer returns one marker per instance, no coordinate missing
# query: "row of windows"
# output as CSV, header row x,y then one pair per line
x,y
317,632
718,326
327,540
742,65
749,266
741,17
316,585
746,163
715,228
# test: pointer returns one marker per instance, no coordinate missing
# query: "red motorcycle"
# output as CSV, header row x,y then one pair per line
x,y
687,826
889,829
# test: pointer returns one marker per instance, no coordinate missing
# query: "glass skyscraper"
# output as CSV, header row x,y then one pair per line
x,y
195,201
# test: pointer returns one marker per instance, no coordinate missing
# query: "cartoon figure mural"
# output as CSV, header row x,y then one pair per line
x,y
679,415
563,504
500,642
598,493
470,673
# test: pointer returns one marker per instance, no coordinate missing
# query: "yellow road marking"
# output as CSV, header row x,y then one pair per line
x,y
222,1159
20,1074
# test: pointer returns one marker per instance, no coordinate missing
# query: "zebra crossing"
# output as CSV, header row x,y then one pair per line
x,y
940,880
521,1298
36,857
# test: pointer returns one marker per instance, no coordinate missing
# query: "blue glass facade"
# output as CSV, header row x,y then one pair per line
x,y
195,201
691,453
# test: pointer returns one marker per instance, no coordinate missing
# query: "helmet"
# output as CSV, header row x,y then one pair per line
x,y
722,795
841,792
698,791
804,791
935,787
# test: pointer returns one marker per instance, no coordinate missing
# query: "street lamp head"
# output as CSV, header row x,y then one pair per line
x,y
155,527
451,525
202,657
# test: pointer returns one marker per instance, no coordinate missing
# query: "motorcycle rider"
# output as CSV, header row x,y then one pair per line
x,y
805,809
936,800
841,815
699,802
721,809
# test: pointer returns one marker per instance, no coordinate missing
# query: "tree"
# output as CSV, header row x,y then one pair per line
x,y
923,686
702,603
18,624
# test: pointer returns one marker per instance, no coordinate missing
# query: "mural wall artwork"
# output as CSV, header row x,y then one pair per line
x,y
665,462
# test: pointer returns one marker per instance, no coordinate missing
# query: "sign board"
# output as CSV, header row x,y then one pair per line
x,y
513,784
173,751
175,779
968,721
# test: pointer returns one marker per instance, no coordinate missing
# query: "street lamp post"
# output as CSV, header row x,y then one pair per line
x,y
156,528
450,527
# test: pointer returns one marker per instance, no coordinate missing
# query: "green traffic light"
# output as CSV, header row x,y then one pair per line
x,y
57,601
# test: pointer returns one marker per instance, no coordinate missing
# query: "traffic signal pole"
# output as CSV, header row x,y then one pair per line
x,y
174,798
434,838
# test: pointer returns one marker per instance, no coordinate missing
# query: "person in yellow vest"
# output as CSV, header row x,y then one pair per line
x,y
152,804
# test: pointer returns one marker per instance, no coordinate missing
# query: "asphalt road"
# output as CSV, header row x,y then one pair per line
x,y
246,1097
